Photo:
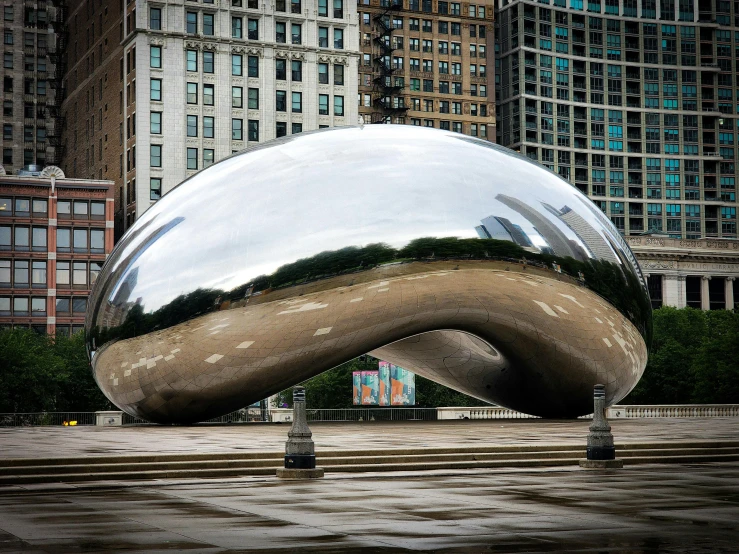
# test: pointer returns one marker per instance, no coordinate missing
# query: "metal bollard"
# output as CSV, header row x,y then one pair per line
x,y
300,455
600,453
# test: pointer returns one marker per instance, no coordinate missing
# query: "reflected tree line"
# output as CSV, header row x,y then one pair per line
x,y
620,288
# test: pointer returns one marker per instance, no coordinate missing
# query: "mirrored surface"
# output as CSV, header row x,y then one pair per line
x,y
450,256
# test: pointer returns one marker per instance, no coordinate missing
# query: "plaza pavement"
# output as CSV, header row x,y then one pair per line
x,y
46,442
639,509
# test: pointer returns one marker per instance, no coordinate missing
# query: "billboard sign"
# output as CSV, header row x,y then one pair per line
x,y
356,388
402,387
384,375
370,388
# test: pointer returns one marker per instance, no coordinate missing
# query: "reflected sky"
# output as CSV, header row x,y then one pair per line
x,y
258,210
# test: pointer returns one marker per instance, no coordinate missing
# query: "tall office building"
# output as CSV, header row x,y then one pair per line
x,y
635,102
428,62
31,77
159,90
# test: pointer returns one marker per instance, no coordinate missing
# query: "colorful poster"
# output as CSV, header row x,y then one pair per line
x,y
402,387
384,373
356,388
370,388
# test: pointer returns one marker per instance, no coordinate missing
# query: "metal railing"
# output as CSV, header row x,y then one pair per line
x,y
39,419
373,414
250,415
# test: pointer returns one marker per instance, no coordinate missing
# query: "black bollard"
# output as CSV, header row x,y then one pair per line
x,y
600,453
300,455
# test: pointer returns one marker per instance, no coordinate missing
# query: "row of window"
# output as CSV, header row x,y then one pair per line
x,y
686,11
23,238
35,306
38,207
33,274
30,40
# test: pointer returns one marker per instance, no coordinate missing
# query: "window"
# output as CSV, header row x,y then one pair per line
x,y
39,239
280,32
155,56
237,27
79,244
155,188
281,129
237,129
253,29
208,61
191,23
192,125
208,95
5,242
281,101
20,273
192,93
155,90
323,104
296,33
237,61
79,305
208,24
338,74
297,102
338,39
297,128
192,60
323,8
97,241
323,73
323,37
253,66
155,155
295,6
338,105
155,123
192,158
237,97
280,69
155,19
208,157
253,130
208,127
296,70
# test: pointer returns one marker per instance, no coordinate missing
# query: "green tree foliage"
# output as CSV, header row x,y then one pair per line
x,y
42,373
694,359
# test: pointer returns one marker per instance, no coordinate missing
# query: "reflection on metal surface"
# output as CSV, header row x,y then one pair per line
x,y
446,255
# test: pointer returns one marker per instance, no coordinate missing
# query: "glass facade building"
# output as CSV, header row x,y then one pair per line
x,y
633,101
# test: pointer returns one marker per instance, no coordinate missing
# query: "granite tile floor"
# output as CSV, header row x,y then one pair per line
x,y
644,509
45,442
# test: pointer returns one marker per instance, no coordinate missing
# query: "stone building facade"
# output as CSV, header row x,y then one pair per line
x,y
430,63
702,273
180,84
55,234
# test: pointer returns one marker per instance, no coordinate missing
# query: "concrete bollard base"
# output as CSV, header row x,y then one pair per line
x,y
285,473
601,464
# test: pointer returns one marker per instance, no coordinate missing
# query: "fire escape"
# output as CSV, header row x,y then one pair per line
x,y
58,57
385,90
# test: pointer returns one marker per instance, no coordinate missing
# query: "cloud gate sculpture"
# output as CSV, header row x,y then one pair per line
x,y
444,254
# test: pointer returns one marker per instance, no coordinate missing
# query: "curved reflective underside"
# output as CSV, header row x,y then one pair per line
x,y
454,258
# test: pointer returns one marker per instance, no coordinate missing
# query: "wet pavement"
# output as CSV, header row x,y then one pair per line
x,y
45,442
644,509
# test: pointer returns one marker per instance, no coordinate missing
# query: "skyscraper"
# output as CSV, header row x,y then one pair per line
x,y
633,101
31,73
159,90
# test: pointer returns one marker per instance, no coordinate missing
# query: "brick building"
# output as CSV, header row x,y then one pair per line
x,y
428,63
55,234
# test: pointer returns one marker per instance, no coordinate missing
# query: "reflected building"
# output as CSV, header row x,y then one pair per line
x,y
595,244
500,228
560,244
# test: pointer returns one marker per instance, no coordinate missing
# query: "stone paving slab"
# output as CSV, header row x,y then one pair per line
x,y
46,442
645,509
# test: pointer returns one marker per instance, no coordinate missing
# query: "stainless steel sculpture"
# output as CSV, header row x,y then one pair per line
x,y
455,258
